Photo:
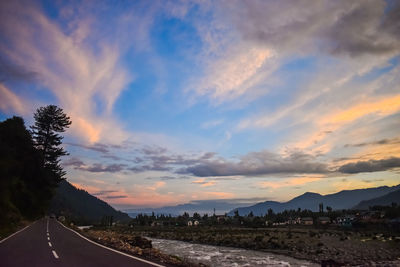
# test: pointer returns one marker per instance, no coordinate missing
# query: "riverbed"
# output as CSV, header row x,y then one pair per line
x,y
224,256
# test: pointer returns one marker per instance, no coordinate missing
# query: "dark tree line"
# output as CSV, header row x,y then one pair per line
x,y
30,167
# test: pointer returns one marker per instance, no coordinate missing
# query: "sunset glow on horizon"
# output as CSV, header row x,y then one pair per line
x,y
180,101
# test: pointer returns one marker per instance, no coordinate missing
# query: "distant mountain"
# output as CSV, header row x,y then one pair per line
x,y
82,206
346,199
199,206
386,200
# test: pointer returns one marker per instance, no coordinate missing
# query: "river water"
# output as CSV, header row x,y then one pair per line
x,y
224,256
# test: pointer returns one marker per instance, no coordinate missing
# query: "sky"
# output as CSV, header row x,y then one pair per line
x,y
184,101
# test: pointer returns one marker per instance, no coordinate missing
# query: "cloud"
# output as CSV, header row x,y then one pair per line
x,y
145,168
97,167
73,161
368,181
160,159
167,178
78,164
338,28
232,75
203,183
11,72
211,124
381,107
219,195
102,148
9,101
146,159
156,186
258,163
113,157
385,141
84,76
153,150
370,165
116,197
103,192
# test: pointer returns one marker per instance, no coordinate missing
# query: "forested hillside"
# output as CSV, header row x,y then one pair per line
x,y
81,207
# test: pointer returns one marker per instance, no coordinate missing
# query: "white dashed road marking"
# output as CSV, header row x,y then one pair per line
x,y
55,254
49,244
48,238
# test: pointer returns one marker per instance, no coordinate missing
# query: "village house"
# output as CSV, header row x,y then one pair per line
x,y
346,220
324,220
307,221
294,220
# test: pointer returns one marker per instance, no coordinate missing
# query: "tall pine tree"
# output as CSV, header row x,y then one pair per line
x,y
49,122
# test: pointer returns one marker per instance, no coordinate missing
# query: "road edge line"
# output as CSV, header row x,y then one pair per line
x,y
114,250
13,234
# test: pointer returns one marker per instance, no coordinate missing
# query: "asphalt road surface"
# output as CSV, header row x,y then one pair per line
x,y
48,243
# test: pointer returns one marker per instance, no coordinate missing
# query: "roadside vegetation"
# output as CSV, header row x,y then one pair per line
x,y
30,167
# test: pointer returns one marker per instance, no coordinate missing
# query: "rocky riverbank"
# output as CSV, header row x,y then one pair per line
x,y
320,246
135,245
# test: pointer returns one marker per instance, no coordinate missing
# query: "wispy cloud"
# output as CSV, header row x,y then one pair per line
x,y
203,183
102,148
69,66
231,76
385,141
212,123
116,197
103,192
10,102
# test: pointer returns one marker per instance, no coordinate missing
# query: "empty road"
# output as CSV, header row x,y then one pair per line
x,y
48,243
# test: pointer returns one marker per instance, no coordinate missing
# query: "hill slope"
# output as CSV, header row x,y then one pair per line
x,y
346,199
81,206
386,200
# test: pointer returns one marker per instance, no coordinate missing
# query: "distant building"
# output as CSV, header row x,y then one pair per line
x,y
307,221
294,220
324,220
346,220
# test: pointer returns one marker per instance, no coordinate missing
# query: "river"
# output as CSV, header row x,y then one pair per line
x,y
224,256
